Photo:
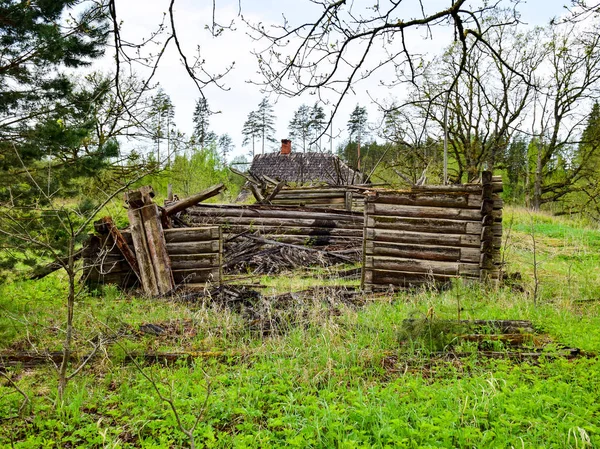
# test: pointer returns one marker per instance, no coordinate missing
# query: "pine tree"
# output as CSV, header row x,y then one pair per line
x,y
265,122
357,128
202,134
36,45
162,114
251,131
300,126
357,124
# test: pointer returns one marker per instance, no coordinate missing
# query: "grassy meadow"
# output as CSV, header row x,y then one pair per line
x,y
326,372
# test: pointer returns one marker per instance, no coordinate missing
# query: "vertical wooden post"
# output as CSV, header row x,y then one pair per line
x,y
149,243
348,200
364,248
138,236
486,264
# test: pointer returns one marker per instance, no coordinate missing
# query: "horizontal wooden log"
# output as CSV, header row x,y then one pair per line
x,y
272,212
179,206
193,261
254,221
404,280
193,247
426,252
423,212
385,235
461,200
314,240
432,225
316,190
197,275
421,266
332,202
198,234
296,230
284,194
465,188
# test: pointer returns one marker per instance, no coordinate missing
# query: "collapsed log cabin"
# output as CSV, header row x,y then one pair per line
x,y
431,234
427,234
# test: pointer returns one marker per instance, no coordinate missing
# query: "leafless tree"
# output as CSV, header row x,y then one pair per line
x,y
565,97
481,97
340,47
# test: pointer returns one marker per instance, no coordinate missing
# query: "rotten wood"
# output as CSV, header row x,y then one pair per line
x,y
138,236
121,244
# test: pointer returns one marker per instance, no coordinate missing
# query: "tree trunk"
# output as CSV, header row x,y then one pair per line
x,y
62,372
537,187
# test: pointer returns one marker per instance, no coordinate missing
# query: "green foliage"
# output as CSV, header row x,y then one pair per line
x,y
192,172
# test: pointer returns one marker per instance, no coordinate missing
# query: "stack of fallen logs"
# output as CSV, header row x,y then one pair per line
x,y
268,239
251,252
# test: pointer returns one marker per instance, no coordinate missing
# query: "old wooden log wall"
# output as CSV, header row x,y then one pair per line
x,y
330,197
195,254
433,234
288,224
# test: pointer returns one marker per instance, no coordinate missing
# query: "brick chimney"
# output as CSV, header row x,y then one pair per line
x,y
286,146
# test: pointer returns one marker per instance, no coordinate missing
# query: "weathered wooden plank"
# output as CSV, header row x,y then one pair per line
x,y
467,188
157,248
460,200
336,202
179,206
422,238
296,230
427,252
138,236
423,212
274,212
193,247
422,266
432,225
292,222
197,261
198,234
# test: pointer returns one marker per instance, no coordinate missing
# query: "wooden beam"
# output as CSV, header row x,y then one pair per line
x,y
179,206
122,245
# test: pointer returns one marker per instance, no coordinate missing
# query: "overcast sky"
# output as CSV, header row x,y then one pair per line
x,y
141,17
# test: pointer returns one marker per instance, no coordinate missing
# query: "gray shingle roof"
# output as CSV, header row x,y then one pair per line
x,y
305,168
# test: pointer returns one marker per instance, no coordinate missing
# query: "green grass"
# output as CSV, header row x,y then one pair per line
x,y
337,375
